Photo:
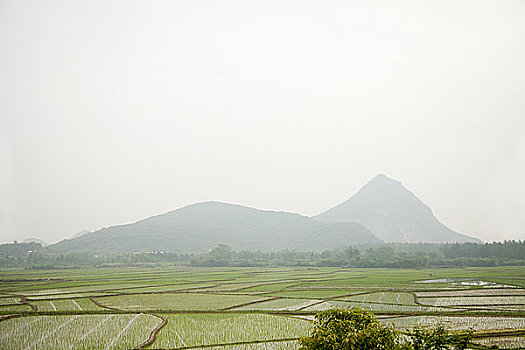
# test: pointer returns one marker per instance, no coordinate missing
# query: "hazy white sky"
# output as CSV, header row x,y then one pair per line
x,y
115,110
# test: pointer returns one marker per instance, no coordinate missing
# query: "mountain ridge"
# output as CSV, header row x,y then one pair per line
x,y
393,213
200,226
35,240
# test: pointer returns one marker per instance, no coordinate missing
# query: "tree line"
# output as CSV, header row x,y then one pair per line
x,y
394,255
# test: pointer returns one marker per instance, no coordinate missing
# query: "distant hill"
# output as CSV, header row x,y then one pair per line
x,y
392,213
19,249
78,234
35,240
200,227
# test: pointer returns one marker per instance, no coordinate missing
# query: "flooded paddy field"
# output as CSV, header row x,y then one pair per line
x,y
247,308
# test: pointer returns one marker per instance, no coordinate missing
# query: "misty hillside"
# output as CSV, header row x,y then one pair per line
x,y
35,240
79,234
392,213
200,227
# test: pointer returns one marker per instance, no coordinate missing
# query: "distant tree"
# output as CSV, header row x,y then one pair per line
x,y
221,255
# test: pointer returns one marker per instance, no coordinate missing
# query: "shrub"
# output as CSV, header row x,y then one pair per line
x,y
357,329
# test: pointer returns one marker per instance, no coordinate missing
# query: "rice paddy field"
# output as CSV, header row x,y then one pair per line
x,y
247,308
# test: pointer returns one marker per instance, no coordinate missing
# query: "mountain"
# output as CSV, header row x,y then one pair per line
x,y
78,234
35,240
200,227
393,214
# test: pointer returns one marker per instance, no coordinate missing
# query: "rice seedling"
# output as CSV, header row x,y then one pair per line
x,y
9,301
281,304
194,330
281,345
314,293
374,307
76,332
493,300
234,287
14,308
68,295
384,297
473,292
503,342
460,322
176,301
75,304
271,286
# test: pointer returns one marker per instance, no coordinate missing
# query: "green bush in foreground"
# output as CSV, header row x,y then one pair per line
x,y
357,329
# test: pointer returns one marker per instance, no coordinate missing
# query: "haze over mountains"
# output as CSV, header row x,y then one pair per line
x,y
382,211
